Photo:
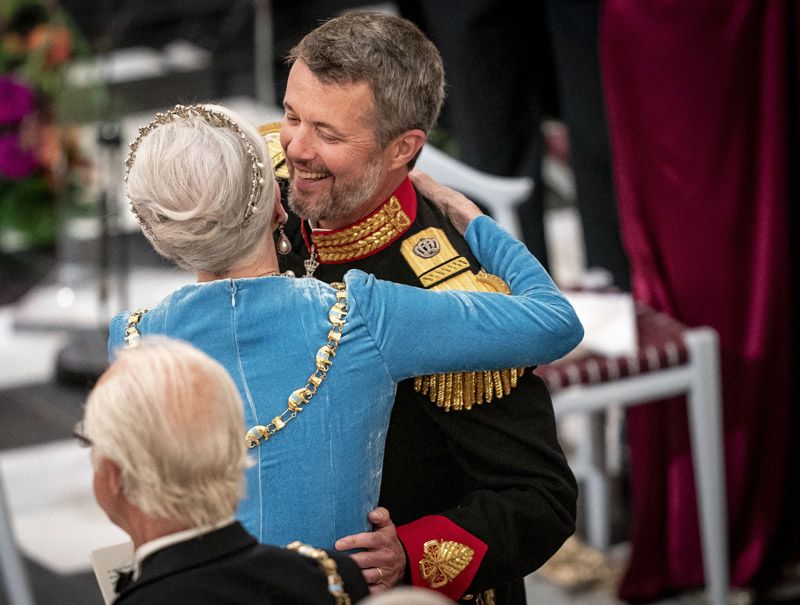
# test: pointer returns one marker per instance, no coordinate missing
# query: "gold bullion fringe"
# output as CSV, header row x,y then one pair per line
x,y
461,390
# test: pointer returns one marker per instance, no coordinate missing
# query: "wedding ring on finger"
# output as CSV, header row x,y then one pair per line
x,y
380,573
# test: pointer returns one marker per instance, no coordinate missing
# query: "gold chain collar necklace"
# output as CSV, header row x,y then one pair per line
x,y
337,316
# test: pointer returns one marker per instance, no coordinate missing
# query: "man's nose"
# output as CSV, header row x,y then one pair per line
x,y
300,144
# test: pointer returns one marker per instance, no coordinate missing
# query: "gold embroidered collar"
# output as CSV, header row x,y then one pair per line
x,y
369,235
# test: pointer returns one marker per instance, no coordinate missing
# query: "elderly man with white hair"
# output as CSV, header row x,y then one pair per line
x,y
165,427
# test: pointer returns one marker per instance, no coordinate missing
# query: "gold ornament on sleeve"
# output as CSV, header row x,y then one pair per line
x,y
439,266
443,560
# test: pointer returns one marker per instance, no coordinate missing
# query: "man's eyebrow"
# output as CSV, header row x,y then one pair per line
x,y
318,124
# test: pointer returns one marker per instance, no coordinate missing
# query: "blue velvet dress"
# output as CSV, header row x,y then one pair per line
x,y
318,477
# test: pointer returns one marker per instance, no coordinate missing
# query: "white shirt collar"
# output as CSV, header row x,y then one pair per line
x,y
318,229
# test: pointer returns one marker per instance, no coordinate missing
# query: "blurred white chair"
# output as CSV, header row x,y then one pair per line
x,y
499,194
672,360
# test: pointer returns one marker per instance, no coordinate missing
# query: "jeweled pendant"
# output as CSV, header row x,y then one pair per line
x,y
311,263
284,245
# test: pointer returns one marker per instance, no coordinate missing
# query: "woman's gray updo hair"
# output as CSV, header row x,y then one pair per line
x,y
190,182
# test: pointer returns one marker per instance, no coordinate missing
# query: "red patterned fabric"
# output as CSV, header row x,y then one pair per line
x,y
698,101
660,345
414,535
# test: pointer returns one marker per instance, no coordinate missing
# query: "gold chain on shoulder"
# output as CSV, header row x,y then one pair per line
x,y
132,334
328,567
324,360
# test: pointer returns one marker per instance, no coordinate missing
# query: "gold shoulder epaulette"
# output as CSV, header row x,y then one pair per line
x,y
272,135
439,266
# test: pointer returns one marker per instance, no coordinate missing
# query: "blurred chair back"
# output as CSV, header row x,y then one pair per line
x,y
499,195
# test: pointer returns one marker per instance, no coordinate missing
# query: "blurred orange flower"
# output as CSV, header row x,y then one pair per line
x,y
55,40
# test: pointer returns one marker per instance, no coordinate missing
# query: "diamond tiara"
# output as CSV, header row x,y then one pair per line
x,y
216,119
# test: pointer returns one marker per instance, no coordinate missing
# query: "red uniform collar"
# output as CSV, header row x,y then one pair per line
x,y
368,235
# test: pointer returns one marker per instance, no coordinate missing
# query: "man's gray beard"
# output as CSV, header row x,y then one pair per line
x,y
339,202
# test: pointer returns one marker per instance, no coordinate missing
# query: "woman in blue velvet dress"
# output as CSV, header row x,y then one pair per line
x,y
316,365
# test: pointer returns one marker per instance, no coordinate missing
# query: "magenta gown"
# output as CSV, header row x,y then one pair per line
x,y
702,106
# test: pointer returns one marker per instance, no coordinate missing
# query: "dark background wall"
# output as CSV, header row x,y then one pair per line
x,y
223,27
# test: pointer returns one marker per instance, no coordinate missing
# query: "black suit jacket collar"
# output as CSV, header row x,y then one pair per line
x,y
192,553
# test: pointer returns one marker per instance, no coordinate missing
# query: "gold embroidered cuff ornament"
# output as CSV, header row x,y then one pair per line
x,y
337,317
443,560
218,120
328,566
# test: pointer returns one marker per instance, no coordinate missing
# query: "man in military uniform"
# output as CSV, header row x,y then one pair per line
x,y
473,475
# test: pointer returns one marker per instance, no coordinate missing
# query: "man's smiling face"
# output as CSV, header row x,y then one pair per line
x,y
335,167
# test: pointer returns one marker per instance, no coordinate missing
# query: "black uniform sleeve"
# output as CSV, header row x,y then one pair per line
x,y
499,475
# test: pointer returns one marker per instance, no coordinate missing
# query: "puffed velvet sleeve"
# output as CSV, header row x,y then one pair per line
x,y
423,332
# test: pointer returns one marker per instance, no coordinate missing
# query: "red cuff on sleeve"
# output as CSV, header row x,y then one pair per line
x,y
441,555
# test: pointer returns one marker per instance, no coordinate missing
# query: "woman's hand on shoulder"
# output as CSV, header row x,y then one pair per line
x,y
455,206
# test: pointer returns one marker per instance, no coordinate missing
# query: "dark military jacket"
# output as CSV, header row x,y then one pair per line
x,y
480,489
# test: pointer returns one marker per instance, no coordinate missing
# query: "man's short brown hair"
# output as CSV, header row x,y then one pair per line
x,y
402,67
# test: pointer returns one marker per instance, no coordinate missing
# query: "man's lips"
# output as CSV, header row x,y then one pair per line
x,y
308,175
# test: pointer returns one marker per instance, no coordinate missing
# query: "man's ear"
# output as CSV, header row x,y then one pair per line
x,y
113,475
406,147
